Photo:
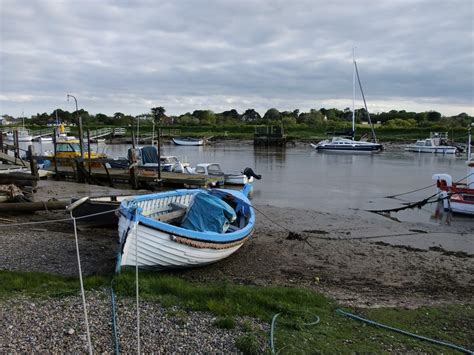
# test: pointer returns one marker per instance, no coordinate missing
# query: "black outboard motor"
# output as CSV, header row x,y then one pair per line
x,y
249,172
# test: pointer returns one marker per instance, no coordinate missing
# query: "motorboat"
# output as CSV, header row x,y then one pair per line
x,y
434,144
214,169
23,135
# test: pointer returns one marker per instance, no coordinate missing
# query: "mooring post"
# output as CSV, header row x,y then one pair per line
x,y
55,162
89,149
133,170
33,164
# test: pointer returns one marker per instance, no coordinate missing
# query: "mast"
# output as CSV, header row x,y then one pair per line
x,y
353,94
365,103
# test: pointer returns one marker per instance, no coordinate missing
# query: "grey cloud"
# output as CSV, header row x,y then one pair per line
x,y
122,56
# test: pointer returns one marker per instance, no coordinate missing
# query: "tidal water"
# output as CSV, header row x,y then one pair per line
x,y
299,177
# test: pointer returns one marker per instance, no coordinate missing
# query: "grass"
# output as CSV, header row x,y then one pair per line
x,y
298,307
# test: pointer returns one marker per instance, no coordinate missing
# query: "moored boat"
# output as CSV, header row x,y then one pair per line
x,y
457,197
214,169
188,141
434,144
348,143
183,228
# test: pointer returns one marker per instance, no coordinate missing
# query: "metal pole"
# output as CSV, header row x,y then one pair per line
x,y
79,119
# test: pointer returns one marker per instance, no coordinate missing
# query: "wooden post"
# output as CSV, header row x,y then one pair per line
x,y
33,165
159,153
1,142
133,170
16,144
89,149
55,162
111,183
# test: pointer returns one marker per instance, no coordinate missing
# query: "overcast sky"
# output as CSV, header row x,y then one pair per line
x,y
129,56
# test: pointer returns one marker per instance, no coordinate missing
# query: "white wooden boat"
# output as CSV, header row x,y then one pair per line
x,y
183,228
432,145
188,141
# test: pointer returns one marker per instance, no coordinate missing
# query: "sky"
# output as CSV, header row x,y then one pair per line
x,y
130,56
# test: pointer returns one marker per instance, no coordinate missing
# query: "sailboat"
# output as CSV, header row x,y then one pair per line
x,y
349,144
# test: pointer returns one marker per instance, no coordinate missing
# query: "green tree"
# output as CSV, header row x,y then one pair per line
x,y
272,115
158,114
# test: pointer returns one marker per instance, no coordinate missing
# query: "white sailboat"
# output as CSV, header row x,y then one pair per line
x,y
349,144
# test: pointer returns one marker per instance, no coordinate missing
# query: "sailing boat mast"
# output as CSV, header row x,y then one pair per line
x,y
365,103
353,95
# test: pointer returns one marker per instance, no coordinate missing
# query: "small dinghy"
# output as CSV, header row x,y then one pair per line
x,y
183,228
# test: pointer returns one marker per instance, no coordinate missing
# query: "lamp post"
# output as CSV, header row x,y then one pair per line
x,y
79,119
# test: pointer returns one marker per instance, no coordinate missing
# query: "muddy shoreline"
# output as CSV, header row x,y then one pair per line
x,y
352,258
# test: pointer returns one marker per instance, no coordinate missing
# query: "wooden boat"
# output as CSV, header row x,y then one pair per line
x,y
188,141
183,228
100,205
434,144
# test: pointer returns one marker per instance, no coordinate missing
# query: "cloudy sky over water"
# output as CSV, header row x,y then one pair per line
x,y
129,56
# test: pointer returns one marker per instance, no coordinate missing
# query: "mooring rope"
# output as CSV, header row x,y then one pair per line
x,y
57,220
82,287
136,282
426,187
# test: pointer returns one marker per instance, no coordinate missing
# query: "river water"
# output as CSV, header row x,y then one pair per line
x,y
300,177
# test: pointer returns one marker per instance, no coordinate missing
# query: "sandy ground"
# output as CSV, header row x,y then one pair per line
x,y
359,259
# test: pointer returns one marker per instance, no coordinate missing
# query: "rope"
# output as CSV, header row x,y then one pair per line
x,y
114,319
424,188
136,283
82,287
401,331
418,204
58,220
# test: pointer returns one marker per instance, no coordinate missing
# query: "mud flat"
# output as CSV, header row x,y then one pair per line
x,y
359,259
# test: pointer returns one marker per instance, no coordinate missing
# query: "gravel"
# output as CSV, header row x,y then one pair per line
x,y
57,326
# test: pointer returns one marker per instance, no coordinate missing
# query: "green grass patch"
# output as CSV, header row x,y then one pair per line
x,y
44,285
298,307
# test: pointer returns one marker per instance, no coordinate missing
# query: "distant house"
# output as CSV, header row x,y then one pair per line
x,y
6,120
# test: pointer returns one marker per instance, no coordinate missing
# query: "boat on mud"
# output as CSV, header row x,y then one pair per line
x,y
188,141
183,228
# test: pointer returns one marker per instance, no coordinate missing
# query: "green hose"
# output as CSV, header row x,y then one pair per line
x,y
272,330
434,341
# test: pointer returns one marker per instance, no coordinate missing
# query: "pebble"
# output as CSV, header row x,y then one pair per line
x,y
56,325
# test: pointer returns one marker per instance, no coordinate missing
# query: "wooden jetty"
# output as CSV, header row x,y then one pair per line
x,y
269,135
135,177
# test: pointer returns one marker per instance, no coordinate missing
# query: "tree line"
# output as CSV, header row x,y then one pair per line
x,y
313,118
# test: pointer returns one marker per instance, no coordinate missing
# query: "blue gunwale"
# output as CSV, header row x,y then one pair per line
x,y
186,233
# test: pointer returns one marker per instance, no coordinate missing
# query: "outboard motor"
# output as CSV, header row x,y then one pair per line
x,y
249,172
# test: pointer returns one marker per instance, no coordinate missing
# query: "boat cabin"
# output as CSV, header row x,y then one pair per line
x,y
208,169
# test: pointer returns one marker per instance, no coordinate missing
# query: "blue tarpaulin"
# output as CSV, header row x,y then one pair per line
x,y
208,213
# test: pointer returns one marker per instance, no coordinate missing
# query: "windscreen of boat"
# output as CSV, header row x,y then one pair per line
x,y
208,213
149,155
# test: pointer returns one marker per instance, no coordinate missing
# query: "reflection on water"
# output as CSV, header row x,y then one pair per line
x,y
300,177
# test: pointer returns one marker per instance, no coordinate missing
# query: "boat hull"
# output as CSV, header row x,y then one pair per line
x,y
164,251
188,141
433,150
348,149
147,242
